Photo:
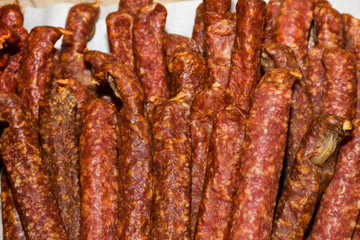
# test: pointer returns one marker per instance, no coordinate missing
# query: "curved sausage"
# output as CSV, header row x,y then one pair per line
x,y
262,156
59,142
148,33
98,171
199,31
119,29
310,176
338,211
171,130
27,175
36,66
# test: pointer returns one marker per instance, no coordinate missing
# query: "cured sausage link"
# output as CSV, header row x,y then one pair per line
x,y
199,31
310,176
27,175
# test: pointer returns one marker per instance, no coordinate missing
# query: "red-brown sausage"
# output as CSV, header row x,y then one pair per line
x,y
216,11
274,7
98,171
58,133
133,6
148,33
8,35
7,82
262,156
310,176
26,173
11,15
36,66
268,27
338,211
199,31
172,149
119,29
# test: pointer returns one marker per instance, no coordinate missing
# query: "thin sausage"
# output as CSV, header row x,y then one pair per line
x,y
199,31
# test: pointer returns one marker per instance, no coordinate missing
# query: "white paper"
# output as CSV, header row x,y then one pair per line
x,y
180,20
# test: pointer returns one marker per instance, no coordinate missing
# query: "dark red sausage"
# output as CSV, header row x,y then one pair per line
x,y
119,29
199,31
274,7
268,27
310,176
58,133
338,211
133,5
8,35
216,11
27,175
36,66
99,176
7,82
172,149
11,15
262,156
11,222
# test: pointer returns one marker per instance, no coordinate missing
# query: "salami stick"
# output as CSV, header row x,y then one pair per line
x,y
216,11
11,222
149,55
172,149
292,28
27,175
310,176
133,6
59,142
98,171
268,27
199,31
135,155
340,83
11,15
8,35
119,29
261,161
338,211
36,66
274,7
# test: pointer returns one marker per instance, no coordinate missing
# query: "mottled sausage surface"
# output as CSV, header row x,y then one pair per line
x,y
310,176
216,10
133,5
59,142
28,178
8,35
262,156
98,171
11,15
199,31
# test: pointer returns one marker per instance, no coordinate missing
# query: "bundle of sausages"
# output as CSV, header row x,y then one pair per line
x,y
247,130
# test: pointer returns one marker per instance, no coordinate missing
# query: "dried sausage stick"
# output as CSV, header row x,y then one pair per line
x,y
216,11
7,82
262,156
148,33
8,35
245,72
172,149
339,95
11,222
268,27
59,141
27,175
338,211
292,28
219,43
133,6
135,156
274,7
352,26
301,112
36,66
98,171
199,31
310,176
119,29
11,15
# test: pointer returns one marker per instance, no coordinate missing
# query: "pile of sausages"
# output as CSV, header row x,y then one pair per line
x,y
247,130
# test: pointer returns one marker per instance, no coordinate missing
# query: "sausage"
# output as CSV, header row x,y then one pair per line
x,y
135,154
171,130
262,156
245,71
80,22
199,31
274,7
133,6
171,43
338,210
7,82
8,36
310,176
11,15
292,28
219,43
59,142
11,222
26,173
35,70
98,171
268,27
339,95
148,52
119,29
216,11
352,44
205,107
